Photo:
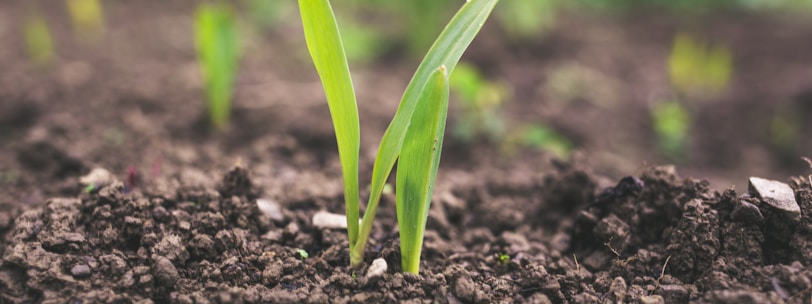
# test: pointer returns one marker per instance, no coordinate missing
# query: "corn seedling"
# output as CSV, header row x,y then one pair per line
x,y
527,18
696,67
415,135
38,40
267,13
302,254
785,129
218,55
87,17
481,102
481,114
672,122
542,138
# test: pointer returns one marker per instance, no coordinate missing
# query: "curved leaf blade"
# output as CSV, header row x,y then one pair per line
x,y
446,51
327,50
417,167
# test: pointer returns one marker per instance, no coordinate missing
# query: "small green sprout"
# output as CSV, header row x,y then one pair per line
x,y
544,138
218,55
527,18
503,259
38,40
696,67
90,188
302,253
481,103
268,13
785,129
415,135
87,17
672,122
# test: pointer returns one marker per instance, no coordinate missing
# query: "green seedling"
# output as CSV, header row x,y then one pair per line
x,y
695,67
672,122
503,259
415,135
481,101
527,18
785,130
542,138
302,253
87,17
218,55
38,40
268,13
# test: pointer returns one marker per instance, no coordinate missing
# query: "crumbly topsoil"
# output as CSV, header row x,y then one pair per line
x,y
549,238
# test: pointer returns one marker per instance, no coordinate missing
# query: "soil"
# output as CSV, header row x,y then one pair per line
x,y
177,220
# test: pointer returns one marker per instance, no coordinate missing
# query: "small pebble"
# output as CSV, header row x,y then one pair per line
x,y
80,271
327,220
98,178
776,194
271,209
376,270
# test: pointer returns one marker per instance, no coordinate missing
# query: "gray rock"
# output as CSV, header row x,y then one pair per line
x,y
376,271
80,271
97,178
776,194
271,209
746,212
327,220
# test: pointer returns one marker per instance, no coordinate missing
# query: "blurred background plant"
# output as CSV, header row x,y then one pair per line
x,y
38,41
217,42
480,115
87,17
698,68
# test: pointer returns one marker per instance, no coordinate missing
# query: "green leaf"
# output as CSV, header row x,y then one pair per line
x,y
38,40
218,53
327,50
417,167
446,51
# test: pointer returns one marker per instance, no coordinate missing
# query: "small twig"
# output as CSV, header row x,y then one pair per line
x,y
662,273
608,244
577,266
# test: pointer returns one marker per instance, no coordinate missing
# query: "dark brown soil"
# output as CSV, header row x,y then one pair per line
x,y
178,220
542,238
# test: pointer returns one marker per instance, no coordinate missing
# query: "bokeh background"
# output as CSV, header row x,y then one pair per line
x,y
722,89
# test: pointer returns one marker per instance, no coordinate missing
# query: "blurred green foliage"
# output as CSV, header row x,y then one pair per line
x,y
410,26
543,138
672,122
785,129
524,19
481,102
480,115
268,13
38,41
695,67
87,17
218,54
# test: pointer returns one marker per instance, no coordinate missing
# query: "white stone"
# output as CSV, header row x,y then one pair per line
x,y
327,220
271,209
377,269
97,177
776,194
